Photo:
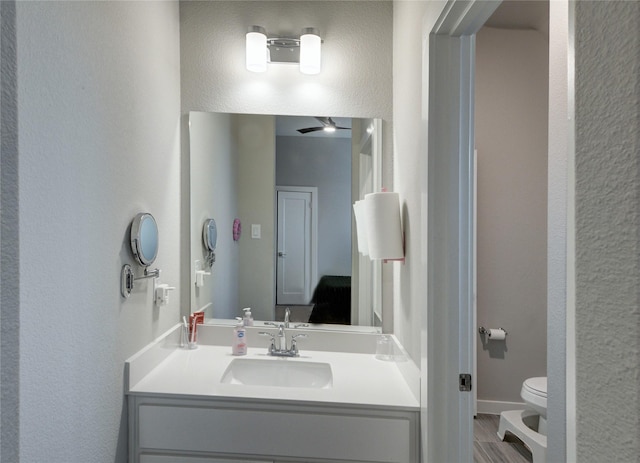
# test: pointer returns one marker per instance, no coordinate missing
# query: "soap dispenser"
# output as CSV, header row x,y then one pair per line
x,y
239,345
247,320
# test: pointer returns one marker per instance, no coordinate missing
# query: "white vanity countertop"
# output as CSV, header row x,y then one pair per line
x,y
358,379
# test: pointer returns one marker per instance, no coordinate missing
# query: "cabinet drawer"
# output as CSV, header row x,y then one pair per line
x,y
190,459
355,435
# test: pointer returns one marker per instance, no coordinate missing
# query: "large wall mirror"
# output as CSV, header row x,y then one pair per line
x,y
291,181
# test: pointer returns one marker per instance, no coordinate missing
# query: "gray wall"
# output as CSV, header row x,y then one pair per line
x,y
607,233
98,106
324,163
511,138
256,140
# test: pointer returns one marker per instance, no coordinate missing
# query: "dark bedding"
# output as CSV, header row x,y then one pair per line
x,y
332,300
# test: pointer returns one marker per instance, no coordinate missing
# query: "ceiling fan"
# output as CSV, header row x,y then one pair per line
x,y
328,125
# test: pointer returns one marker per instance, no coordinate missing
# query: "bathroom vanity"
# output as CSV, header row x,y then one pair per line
x,y
206,406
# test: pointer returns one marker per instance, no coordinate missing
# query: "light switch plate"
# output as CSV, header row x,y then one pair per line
x,y
256,231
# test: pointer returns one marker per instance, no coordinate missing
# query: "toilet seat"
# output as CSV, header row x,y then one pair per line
x,y
536,386
534,392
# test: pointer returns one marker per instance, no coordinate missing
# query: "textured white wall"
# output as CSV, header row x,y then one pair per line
x,y
607,166
356,58
98,122
511,114
9,239
412,22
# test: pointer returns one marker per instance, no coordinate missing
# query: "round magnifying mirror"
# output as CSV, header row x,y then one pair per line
x,y
210,234
144,238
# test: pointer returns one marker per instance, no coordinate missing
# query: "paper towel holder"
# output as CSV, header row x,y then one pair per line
x,y
389,239
401,259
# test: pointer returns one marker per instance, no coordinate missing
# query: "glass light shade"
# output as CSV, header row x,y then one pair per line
x,y
256,49
310,44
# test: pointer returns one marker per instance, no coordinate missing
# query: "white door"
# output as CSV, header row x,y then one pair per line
x,y
293,262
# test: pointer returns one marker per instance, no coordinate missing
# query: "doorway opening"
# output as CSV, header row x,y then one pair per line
x,y
511,141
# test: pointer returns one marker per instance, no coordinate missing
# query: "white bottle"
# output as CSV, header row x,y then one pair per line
x,y
247,320
239,345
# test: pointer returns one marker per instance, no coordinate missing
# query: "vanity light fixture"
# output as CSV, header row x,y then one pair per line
x,y
310,45
305,51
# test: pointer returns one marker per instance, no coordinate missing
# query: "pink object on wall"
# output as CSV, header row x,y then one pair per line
x,y
237,229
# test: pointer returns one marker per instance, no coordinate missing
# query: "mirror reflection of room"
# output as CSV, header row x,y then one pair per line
x,y
291,182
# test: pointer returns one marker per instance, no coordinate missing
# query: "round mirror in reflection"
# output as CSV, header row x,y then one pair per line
x,y
144,238
210,234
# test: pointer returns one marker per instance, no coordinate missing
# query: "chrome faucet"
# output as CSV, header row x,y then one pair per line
x,y
278,346
287,315
282,338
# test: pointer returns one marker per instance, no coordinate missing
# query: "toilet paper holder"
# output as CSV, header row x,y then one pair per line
x,y
483,330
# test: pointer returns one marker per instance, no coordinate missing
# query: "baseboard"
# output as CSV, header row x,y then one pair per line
x,y
494,407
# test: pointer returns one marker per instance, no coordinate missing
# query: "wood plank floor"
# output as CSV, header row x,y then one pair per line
x,y
488,448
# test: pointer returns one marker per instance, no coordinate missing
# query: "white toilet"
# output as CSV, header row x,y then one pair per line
x,y
529,425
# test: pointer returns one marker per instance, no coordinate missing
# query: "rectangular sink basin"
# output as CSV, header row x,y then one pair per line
x,y
279,372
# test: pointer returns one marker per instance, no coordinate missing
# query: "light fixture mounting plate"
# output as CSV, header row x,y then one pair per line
x,y
283,50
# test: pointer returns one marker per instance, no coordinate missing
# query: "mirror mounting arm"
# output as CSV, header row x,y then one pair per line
x,y
155,273
127,278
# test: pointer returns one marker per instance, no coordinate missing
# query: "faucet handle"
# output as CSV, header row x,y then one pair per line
x,y
294,343
266,333
272,345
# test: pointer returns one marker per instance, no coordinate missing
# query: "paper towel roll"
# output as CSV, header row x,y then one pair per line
x,y
361,228
384,229
497,334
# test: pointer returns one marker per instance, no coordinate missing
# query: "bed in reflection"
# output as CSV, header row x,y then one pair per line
x,y
332,300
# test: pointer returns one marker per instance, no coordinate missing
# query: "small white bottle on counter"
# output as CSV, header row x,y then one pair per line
x,y
247,320
239,344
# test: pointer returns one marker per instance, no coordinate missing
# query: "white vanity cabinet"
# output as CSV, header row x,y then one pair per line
x,y
228,430
182,410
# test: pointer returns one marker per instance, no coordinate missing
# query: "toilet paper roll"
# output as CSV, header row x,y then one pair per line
x,y
384,229
497,334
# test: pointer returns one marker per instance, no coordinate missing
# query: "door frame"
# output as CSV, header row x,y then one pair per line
x,y
450,227
314,232
447,427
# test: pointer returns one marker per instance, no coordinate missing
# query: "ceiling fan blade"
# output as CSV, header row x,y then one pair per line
x,y
310,129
